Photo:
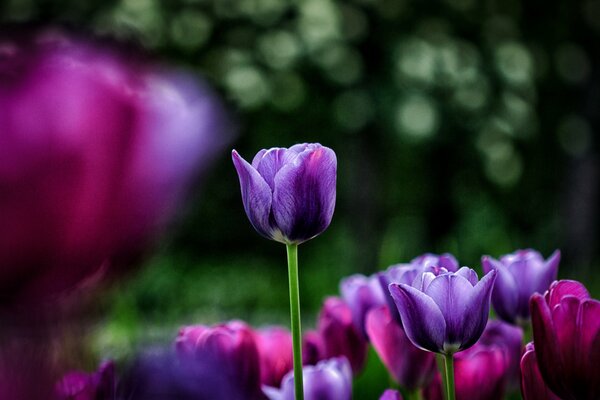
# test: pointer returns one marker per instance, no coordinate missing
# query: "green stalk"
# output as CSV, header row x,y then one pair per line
x,y
449,362
292,256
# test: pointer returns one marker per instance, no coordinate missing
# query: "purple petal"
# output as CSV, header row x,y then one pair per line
x,y
270,162
304,195
562,288
422,319
469,275
505,293
533,386
256,196
390,394
478,310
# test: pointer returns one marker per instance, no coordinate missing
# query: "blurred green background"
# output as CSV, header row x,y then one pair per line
x,y
460,125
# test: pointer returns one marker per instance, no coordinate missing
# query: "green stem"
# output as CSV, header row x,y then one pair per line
x,y
449,362
292,255
413,395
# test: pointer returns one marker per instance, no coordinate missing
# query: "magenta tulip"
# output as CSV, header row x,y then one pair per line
x,y
275,351
79,385
533,386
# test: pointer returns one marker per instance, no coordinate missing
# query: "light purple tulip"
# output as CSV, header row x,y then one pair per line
x,y
328,380
96,150
444,313
391,394
79,385
410,366
533,386
275,351
361,293
289,194
340,336
223,358
566,333
520,275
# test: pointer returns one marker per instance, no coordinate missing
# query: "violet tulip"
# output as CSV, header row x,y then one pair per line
x,y
533,386
328,380
227,352
566,333
520,275
398,273
391,394
96,149
340,336
361,293
445,313
275,351
77,385
289,194
410,366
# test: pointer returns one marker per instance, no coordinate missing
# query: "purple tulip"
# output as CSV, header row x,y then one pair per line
x,y
79,385
95,152
328,380
520,275
313,348
566,333
480,374
444,313
410,366
498,333
361,293
275,351
533,386
390,394
428,260
289,194
398,273
340,336
224,358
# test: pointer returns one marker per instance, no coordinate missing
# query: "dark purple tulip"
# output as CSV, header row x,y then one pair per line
x,y
224,358
390,394
313,348
328,380
95,152
480,374
498,333
520,275
566,333
410,366
275,351
340,336
361,293
79,385
289,194
445,313
533,386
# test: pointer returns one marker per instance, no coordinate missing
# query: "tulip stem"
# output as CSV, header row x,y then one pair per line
x,y
449,362
292,256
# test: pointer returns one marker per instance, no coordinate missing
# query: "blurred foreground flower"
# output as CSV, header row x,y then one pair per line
x,y
566,335
78,385
96,150
275,351
328,380
289,194
390,394
520,275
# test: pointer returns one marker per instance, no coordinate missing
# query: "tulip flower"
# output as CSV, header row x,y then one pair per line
x,y
224,357
446,313
328,380
275,351
520,275
313,348
289,194
78,385
361,293
533,386
498,333
566,334
427,260
398,273
410,366
390,394
289,197
481,373
96,150
340,336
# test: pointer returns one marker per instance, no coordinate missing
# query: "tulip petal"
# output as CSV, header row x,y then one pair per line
x,y
563,288
533,386
422,319
589,337
505,294
304,195
469,275
256,196
270,162
478,310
